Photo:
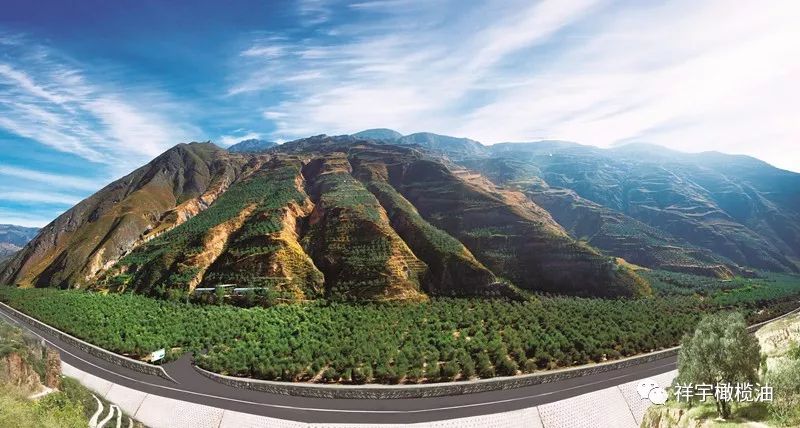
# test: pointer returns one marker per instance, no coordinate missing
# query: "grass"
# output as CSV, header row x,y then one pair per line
x,y
705,413
52,411
71,406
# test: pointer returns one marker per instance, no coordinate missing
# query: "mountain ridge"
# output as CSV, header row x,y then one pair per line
x,y
349,217
13,238
252,145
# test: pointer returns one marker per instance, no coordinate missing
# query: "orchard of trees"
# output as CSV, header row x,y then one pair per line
x,y
439,340
444,339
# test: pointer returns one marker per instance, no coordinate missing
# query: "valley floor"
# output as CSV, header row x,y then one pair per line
x,y
441,340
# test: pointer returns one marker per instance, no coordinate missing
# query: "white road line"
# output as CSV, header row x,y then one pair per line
x,y
315,409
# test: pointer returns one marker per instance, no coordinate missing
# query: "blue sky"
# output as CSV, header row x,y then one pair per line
x,y
89,91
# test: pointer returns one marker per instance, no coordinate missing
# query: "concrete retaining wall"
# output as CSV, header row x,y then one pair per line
x,y
116,359
431,390
756,326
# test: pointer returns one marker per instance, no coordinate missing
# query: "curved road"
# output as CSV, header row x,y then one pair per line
x,y
193,387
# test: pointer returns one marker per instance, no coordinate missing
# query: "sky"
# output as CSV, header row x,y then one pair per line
x,y
90,90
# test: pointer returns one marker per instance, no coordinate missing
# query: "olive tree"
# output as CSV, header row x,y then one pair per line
x,y
719,351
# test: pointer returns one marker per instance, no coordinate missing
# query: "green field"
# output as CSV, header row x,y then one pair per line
x,y
439,340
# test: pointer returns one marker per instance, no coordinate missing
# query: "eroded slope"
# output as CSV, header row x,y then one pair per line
x,y
352,241
507,233
615,233
88,238
247,238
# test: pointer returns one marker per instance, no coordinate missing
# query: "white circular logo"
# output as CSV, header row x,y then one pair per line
x,y
657,395
644,387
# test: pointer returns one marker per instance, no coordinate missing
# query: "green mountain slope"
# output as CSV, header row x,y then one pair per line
x,y
736,207
339,217
611,231
350,218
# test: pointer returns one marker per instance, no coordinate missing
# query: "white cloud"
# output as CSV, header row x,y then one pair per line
x,y
146,134
57,181
270,51
689,75
27,84
314,12
25,219
720,78
59,105
407,71
55,104
24,197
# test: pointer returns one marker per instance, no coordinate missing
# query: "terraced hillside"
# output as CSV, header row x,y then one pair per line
x,y
379,216
334,217
739,208
509,234
611,231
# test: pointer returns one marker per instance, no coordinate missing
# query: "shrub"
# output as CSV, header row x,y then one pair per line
x,y
467,367
785,382
449,370
485,369
268,343
507,367
362,374
329,375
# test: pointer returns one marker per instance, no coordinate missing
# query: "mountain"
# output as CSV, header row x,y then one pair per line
x,y
379,134
355,218
88,238
601,227
737,207
13,238
251,146
453,147
337,217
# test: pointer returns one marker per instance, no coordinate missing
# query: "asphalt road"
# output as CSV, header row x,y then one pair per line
x,y
196,388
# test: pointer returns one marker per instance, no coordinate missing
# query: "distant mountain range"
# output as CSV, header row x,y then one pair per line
x,y
381,216
251,146
13,238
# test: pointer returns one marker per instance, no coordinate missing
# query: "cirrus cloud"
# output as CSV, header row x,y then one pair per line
x,y
688,75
